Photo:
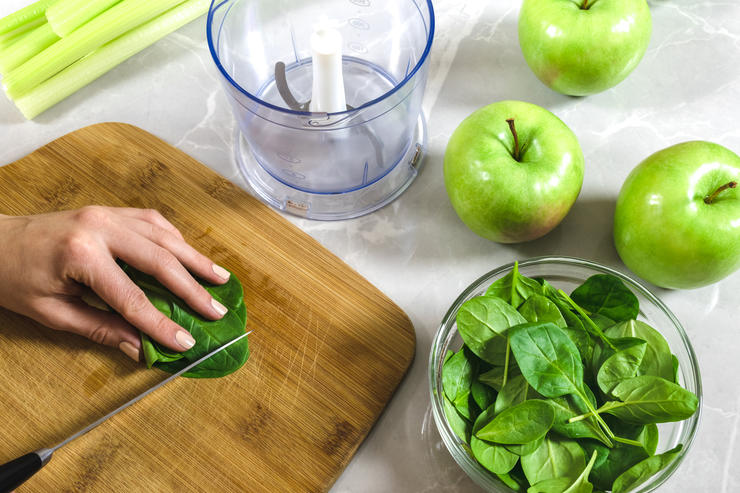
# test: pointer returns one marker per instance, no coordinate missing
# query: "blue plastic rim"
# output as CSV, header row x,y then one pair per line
x,y
217,4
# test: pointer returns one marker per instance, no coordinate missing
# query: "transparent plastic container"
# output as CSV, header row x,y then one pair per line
x,y
567,273
325,165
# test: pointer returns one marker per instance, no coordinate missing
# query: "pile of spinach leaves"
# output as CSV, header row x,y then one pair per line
x,y
208,334
555,393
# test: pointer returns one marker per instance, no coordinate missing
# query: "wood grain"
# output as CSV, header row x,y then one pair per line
x,y
328,349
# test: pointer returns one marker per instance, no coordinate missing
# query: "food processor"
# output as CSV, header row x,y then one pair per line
x,y
327,95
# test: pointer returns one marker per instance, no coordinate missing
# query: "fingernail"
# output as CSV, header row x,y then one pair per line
x,y
221,272
129,350
221,309
184,339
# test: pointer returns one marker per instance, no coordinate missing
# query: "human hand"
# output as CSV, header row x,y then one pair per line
x,y
50,261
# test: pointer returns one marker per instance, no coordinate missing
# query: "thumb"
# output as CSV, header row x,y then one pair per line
x,y
103,327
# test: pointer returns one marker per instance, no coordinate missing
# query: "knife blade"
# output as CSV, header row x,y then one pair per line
x,y
18,471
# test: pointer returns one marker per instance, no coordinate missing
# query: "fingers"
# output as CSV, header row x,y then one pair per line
x,y
150,216
114,287
192,259
148,242
159,262
107,328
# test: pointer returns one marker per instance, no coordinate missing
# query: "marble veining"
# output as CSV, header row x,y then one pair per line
x,y
417,251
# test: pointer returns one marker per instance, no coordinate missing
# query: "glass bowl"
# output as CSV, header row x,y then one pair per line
x,y
567,273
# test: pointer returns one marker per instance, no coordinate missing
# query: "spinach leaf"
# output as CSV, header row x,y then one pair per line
x,y
644,470
516,391
495,376
589,447
208,334
553,294
582,340
620,458
547,358
525,448
494,457
514,288
645,436
620,366
574,328
570,406
658,359
603,352
581,484
156,353
538,308
557,485
593,327
448,355
513,482
482,323
649,438
555,458
648,399
607,295
483,419
483,395
460,426
457,376
601,321
462,404
674,360
567,485
551,363
520,424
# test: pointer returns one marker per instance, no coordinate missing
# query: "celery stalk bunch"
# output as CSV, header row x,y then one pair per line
x,y
52,48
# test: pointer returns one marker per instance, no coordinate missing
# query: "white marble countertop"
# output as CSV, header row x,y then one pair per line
x,y
687,87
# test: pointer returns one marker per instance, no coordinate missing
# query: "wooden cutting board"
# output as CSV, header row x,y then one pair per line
x,y
328,349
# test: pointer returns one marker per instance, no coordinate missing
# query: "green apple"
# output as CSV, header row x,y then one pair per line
x,y
677,222
581,47
512,171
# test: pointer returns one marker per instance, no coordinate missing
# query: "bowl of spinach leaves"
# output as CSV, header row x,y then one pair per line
x,y
557,374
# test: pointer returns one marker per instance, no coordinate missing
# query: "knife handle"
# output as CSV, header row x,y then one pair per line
x,y
17,471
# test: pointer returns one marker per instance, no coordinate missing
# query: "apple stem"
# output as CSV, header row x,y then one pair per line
x,y
711,198
585,5
512,127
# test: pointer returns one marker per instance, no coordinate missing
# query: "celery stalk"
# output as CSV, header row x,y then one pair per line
x,y
67,15
106,27
106,57
24,16
29,45
10,37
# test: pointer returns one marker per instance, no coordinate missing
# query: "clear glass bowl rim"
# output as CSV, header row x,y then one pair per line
x,y
216,4
444,333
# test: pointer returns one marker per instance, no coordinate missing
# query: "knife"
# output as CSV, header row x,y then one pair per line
x,y
18,471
